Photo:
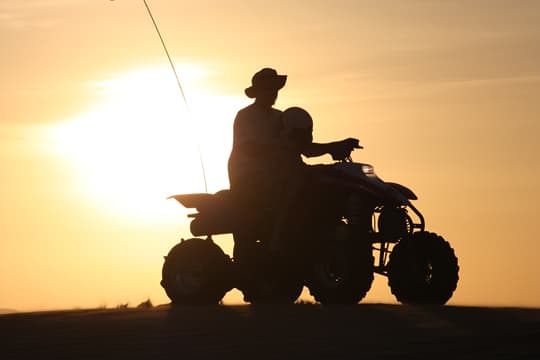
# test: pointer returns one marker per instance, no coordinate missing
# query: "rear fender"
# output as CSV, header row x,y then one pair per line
x,y
202,201
191,201
217,213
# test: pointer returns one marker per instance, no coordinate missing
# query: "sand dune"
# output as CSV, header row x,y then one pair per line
x,y
367,331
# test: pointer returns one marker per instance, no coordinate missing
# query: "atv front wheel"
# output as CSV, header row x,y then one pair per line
x,y
423,269
196,271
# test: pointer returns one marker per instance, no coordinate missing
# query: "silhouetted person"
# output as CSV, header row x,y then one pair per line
x,y
256,142
304,187
261,160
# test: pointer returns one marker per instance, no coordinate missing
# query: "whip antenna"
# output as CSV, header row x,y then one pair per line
x,y
179,85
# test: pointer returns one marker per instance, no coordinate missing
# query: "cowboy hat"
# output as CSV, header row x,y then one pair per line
x,y
265,79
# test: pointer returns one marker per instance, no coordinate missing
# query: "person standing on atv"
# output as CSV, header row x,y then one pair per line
x,y
255,154
261,159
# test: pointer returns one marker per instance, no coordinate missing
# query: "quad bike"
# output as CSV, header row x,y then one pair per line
x,y
329,238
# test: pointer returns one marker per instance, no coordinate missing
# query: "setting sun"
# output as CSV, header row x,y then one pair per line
x,y
142,143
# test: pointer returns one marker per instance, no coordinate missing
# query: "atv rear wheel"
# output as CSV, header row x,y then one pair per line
x,y
344,273
423,269
196,271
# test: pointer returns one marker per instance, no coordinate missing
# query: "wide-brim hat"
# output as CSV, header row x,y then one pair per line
x,y
265,79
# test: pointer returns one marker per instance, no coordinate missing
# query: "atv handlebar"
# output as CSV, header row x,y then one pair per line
x,y
342,149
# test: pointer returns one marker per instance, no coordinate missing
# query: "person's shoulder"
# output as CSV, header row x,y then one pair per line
x,y
253,110
246,111
248,108
243,113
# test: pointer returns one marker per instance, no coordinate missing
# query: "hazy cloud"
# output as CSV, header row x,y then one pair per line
x,y
27,14
502,58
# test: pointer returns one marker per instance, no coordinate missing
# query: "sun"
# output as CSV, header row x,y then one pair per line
x,y
143,143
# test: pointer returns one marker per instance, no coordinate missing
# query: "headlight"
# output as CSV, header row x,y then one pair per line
x,y
368,169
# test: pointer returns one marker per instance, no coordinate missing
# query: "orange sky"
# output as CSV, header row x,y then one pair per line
x,y
93,135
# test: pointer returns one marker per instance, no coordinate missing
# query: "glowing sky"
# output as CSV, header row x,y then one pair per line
x,y
444,96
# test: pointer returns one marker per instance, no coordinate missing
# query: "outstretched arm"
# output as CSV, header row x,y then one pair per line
x,y
338,149
316,149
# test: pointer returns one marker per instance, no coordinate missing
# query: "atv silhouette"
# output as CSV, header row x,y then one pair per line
x,y
346,225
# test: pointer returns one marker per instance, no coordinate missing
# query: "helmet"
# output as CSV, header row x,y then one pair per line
x,y
297,118
297,126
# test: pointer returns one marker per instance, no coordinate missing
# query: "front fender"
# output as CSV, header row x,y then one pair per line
x,y
405,191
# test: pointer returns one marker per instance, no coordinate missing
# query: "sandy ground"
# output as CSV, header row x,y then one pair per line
x,y
366,331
